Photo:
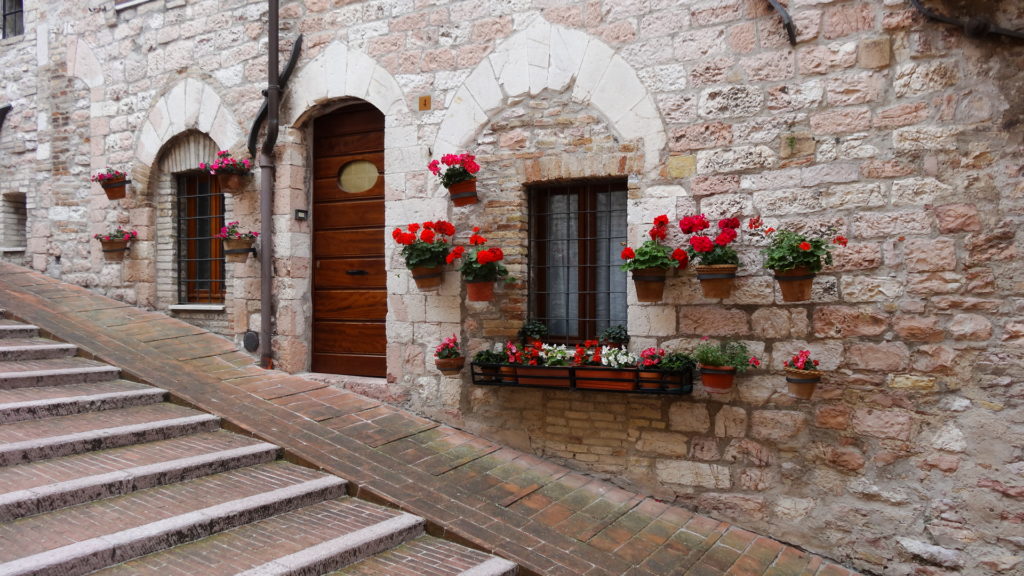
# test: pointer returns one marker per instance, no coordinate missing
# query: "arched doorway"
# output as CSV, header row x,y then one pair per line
x,y
349,279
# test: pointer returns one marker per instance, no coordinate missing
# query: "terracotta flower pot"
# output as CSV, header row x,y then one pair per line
x,y
508,374
428,277
547,376
230,182
649,283
716,281
114,249
598,378
801,383
114,188
450,366
671,382
480,291
463,193
717,379
795,284
237,249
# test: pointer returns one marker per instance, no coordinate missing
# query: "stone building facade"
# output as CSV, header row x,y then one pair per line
x,y
901,133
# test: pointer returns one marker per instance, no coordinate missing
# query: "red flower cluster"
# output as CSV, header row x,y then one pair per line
x,y
490,255
476,239
455,254
660,229
588,353
801,361
627,253
840,240
467,161
694,224
428,234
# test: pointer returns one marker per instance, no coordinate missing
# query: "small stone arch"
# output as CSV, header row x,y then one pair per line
x,y
189,105
340,72
546,56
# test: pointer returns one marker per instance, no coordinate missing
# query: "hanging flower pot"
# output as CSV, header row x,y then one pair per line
x,y
428,277
458,176
450,366
463,193
802,375
231,172
716,281
115,188
801,383
230,182
112,181
717,379
795,284
238,249
482,291
114,249
649,283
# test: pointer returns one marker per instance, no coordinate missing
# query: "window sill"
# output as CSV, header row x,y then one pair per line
x,y
128,4
196,308
7,249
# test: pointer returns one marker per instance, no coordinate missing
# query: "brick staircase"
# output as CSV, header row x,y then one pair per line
x,y
104,475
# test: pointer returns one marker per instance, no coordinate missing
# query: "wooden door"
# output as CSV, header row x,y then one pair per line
x,y
349,282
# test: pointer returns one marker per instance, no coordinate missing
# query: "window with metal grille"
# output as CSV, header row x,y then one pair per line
x,y
14,24
200,253
576,234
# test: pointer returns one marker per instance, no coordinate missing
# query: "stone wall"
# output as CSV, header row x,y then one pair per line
x,y
903,134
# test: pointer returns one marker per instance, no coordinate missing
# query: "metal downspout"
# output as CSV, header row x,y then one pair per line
x,y
267,173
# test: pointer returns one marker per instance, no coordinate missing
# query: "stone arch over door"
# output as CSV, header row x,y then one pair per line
x,y
548,56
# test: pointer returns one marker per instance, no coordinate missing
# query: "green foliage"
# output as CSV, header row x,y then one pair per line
x,y
788,250
425,254
615,334
651,254
489,357
677,362
728,353
532,331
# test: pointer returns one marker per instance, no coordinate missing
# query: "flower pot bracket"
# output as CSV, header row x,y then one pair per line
x,y
251,249
715,275
111,183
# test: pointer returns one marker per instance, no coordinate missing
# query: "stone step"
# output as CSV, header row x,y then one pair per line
x,y
430,556
31,440
17,404
52,484
54,372
15,329
33,349
312,540
88,537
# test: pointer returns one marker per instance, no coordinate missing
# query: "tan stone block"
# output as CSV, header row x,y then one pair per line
x,y
913,382
841,121
934,358
731,422
847,458
713,321
704,448
795,144
953,218
885,356
699,136
894,424
847,19
716,184
902,115
918,328
874,52
681,166
833,416
689,473
849,321
740,507
689,417
777,425
970,327
661,443
757,479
